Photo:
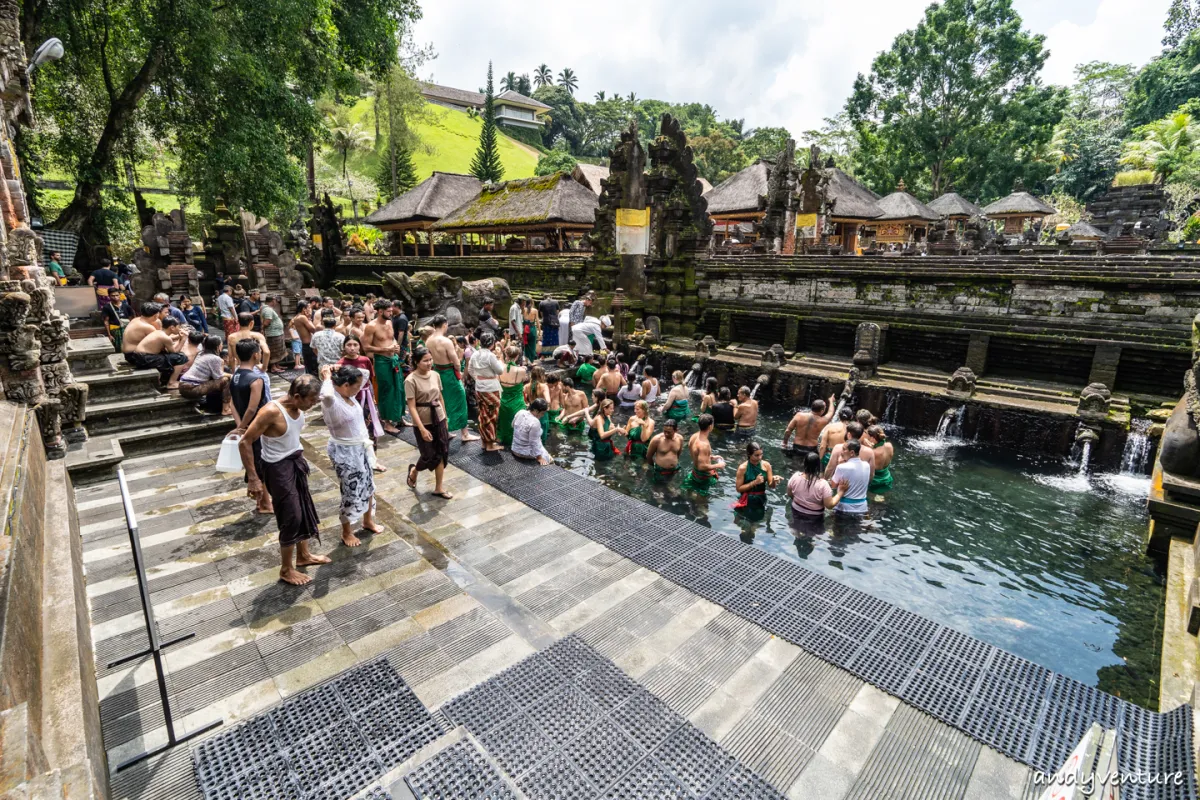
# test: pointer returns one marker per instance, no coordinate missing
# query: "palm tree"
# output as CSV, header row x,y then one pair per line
x,y
347,137
600,96
567,80
509,81
542,76
632,98
523,85
1164,145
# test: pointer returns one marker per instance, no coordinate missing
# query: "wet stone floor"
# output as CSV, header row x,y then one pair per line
x,y
451,599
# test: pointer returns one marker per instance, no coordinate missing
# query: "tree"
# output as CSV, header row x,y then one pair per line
x,y
717,156
1165,83
1163,146
563,118
234,98
486,165
397,175
347,137
600,96
568,81
558,159
957,100
523,85
1182,19
1086,144
837,138
765,142
509,81
542,76
402,104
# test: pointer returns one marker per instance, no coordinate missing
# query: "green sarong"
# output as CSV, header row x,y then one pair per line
x,y
602,449
635,446
390,380
552,416
578,426
882,480
531,341
664,473
512,400
455,397
700,484
545,426
678,410
585,372
825,459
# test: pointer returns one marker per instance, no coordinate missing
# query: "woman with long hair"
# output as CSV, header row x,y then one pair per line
x,y
485,370
810,493
754,477
427,407
352,357
538,387
530,311
639,429
677,398
710,395
512,394
350,449
602,431
629,395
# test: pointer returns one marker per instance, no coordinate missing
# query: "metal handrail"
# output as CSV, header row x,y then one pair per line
x,y
156,646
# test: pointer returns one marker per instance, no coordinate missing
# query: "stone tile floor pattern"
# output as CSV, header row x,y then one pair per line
x,y
452,594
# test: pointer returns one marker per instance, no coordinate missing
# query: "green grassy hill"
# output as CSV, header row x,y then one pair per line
x,y
448,142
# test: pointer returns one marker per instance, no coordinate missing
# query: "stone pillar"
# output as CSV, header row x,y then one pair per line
x,y
977,353
726,333
791,333
1104,365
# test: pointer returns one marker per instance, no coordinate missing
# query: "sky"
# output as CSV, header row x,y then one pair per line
x,y
788,63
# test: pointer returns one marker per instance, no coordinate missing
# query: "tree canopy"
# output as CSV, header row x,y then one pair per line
x,y
956,100
230,84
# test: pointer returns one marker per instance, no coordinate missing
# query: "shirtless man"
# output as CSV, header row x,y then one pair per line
x,y
807,426
162,350
745,413
246,320
840,453
610,381
663,450
303,325
704,464
379,344
554,384
357,322
574,402
447,364
141,327
832,435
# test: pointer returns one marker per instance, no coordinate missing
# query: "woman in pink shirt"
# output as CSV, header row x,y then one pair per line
x,y
810,493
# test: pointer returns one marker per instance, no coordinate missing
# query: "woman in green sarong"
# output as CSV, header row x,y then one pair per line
x,y
539,387
754,477
677,399
602,432
638,430
512,394
881,481
531,330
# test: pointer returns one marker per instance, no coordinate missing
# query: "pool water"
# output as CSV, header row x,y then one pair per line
x,y
1028,554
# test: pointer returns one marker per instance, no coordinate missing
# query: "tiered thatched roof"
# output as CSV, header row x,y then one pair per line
x,y
900,206
740,193
542,203
428,201
853,201
954,205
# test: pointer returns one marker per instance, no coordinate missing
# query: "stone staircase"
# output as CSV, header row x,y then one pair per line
x,y
127,413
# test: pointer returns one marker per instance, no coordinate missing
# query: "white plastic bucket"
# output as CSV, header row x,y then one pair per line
x,y
230,459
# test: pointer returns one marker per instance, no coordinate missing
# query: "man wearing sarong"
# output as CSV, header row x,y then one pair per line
x,y
663,451
704,464
486,368
379,343
350,449
446,364
285,476
574,405
427,407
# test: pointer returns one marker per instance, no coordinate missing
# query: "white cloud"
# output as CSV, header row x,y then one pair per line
x,y
774,63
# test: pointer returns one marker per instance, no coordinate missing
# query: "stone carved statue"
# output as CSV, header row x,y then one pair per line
x,y
706,348
425,294
1180,452
1094,401
774,358
961,384
866,348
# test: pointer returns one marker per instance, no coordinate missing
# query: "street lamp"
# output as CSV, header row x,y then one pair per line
x,y
50,50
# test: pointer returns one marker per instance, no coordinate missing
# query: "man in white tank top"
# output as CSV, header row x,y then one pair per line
x,y
285,475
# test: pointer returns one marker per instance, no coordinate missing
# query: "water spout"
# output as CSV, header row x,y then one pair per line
x,y
691,376
889,413
950,425
762,381
1139,449
1085,437
1084,456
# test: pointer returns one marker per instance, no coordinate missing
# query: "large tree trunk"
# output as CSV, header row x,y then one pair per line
x,y
78,214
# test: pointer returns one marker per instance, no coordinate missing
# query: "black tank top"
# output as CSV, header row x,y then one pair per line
x,y
722,414
239,389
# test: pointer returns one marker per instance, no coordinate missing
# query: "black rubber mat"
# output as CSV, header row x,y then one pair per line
x,y
1006,702
568,723
327,743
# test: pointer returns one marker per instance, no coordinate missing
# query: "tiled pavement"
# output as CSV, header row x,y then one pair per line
x,y
453,593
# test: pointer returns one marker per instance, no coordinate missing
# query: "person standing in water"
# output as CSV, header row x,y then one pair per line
x,y
512,393
629,394
639,430
806,426
446,363
746,412
574,405
841,453
811,494
538,388
677,399
663,450
649,385
723,411
554,385
602,431
710,396
855,475
285,476
705,465
832,435
754,477
610,381
881,479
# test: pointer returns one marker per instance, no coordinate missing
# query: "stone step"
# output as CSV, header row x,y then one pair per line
x,y
95,460
17,761
89,356
130,415
77,783
121,386
205,430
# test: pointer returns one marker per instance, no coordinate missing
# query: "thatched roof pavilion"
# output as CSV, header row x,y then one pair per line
x,y
426,203
1083,232
741,195
550,205
853,202
590,175
1016,208
904,218
953,205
